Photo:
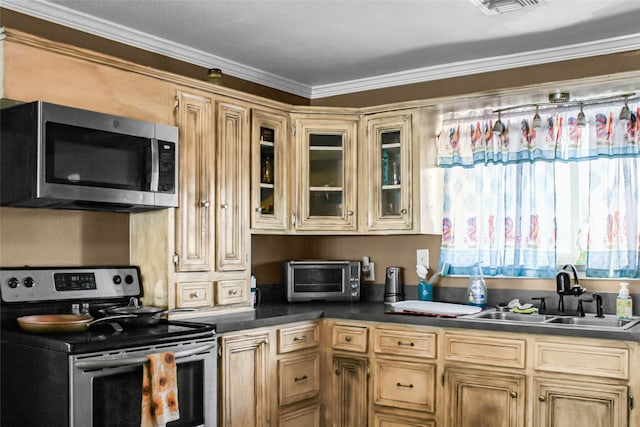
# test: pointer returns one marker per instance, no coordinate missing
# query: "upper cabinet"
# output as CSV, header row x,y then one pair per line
x,y
269,170
326,174
389,154
194,219
232,154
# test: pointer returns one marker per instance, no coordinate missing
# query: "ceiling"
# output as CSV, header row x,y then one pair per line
x,y
323,48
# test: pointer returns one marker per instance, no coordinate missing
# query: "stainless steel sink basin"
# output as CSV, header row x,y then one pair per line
x,y
605,322
509,316
608,322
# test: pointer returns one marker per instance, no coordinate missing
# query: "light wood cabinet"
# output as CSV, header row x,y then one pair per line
x,y
578,403
350,386
244,377
193,218
403,384
298,378
308,417
390,161
471,396
232,186
270,158
326,174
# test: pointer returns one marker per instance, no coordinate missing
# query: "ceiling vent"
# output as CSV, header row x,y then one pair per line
x,y
495,7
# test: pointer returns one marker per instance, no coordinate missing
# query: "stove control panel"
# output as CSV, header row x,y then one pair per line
x,y
68,283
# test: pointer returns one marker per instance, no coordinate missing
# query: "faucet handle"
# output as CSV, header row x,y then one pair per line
x,y
580,307
598,300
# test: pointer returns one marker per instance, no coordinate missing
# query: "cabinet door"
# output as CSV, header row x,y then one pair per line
x,y
476,399
269,163
574,403
390,203
194,221
327,173
232,179
349,391
244,371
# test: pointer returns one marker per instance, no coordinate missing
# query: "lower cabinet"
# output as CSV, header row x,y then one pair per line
x,y
350,385
476,399
574,403
306,417
244,368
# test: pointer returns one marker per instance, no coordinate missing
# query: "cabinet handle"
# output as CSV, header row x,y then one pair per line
x,y
195,294
302,378
541,398
349,213
400,385
224,206
410,344
259,210
233,292
204,204
302,338
347,338
403,211
337,371
514,394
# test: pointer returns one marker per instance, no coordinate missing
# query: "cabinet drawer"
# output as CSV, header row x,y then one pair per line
x,y
298,337
582,359
406,343
492,351
298,378
231,291
194,294
389,420
350,338
404,384
308,416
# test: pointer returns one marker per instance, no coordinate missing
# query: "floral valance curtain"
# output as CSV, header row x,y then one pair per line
x,y
503,195
469,139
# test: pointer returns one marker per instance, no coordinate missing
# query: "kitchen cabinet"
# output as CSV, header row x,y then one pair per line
x,y
193,218
245,382
326,174
350,387
232,234
270,158
390,160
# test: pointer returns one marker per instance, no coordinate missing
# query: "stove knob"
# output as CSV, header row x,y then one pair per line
x,y
117,279
29,282
128,279
13,282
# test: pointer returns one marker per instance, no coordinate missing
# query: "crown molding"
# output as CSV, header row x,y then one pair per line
x,y
109,30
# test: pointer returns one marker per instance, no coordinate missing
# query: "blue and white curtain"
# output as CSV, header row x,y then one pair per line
x,y
500,198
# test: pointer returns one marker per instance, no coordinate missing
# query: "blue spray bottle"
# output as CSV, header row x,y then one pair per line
x,y
425,290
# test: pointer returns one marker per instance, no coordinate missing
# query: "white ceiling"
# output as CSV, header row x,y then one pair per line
x,y
322,48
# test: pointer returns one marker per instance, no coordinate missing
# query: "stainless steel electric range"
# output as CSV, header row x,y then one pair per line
x,y
93,377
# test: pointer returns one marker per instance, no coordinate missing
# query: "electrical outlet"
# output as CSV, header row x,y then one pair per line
x,y
370,273
422,257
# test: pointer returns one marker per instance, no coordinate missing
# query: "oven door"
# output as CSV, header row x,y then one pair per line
x,y
107,387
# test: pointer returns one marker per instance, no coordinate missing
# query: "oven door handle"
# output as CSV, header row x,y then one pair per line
x,y
89,365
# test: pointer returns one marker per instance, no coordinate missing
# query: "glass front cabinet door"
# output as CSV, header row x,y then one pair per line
x,y
326,174
268,171
390,200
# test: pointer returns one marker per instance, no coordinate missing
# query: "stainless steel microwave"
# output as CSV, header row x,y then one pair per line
x,y
310,280
54,156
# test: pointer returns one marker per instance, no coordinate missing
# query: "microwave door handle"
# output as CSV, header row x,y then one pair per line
x,y
155,165
90,365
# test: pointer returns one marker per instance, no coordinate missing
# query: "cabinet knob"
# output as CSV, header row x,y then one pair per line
x,y
194,295
337,371
541,398
224,206
347,338
259,210
349,213
514,394
403,211
204,203
233,292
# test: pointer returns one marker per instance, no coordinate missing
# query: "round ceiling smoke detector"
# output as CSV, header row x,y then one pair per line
x,y
559,97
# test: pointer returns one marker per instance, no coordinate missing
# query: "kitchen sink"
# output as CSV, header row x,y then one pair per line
x,y
609,322
507,315
598,322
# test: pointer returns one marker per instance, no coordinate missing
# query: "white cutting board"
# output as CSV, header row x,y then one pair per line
x,y
436,308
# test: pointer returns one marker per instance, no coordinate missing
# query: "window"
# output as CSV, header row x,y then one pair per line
x,y
526,201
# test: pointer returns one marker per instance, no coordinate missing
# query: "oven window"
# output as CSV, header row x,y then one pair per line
x,y
318,279
95,158
117,398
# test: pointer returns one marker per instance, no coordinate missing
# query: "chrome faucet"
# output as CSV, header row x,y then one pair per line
x,y
564,286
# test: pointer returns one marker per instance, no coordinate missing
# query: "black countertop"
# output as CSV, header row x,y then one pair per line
x,y
278,314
